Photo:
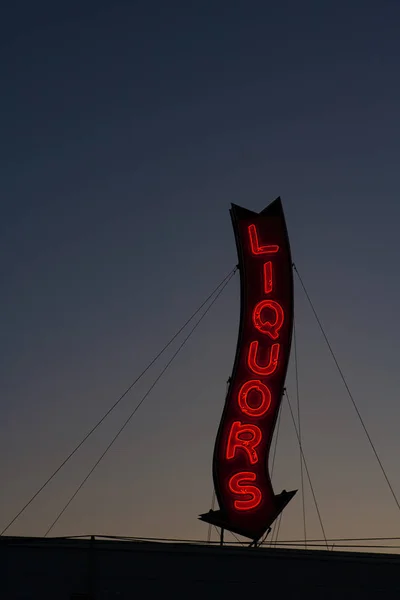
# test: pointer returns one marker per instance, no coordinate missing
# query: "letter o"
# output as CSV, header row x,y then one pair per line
x,y
262,390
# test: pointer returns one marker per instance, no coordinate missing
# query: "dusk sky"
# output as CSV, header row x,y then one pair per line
x,y
127,130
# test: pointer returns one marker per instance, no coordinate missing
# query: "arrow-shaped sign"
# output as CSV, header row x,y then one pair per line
x,y
242,482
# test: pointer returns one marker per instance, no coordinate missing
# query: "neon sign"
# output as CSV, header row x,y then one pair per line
x,y
243,487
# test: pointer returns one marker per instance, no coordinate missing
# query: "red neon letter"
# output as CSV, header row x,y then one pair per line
x,y
267,369
271,329
255,247
238,485
236,440
268,277
262,390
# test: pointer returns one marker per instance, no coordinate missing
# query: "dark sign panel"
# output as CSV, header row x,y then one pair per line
x,y
242,482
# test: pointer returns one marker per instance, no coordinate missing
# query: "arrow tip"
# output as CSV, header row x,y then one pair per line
x,y
221,519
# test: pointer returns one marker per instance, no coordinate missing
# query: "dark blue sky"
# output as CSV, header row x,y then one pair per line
x,y
127,129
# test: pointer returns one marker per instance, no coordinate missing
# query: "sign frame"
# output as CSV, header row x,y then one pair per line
x,y
248,505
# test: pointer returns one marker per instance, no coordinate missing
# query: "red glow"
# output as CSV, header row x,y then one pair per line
x,y
271,329
267,369
247,444
268,277
255,247
262,391
238,484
